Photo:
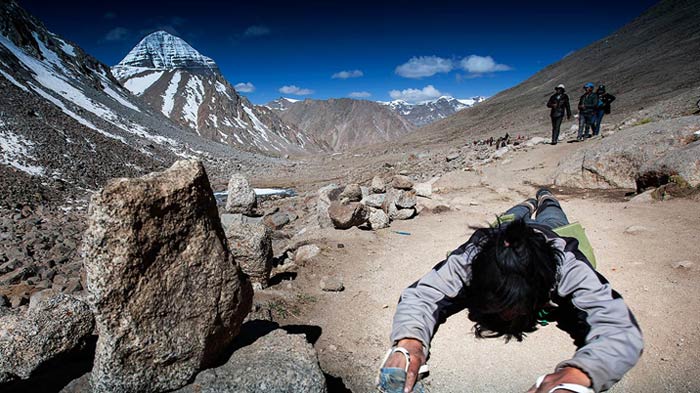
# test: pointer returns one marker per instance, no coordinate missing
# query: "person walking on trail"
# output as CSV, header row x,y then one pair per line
x,y
511,278
559,104
605,99
588,105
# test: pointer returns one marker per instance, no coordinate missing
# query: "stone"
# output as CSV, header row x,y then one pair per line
x,y
347,215
374,200
306,253
645,197
500,152
389,205
406,199
331,284
424,190
635,229
276,221
53,325
635,158
19,299
451,157
378,219
167,295
251,246
378,186
404,214
402,182
326,195
241,196
352,192
4,301
682,265
14,277
537,140
275,363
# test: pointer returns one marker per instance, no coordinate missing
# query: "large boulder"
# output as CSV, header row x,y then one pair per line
x,y
251,246
402,182
378,186
53,325
636,157
167,295
378,219
352,192
345,215
374,200
326,195
406,200
275,363
241,196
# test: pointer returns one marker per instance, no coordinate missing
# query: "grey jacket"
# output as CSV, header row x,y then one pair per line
x,y
604,330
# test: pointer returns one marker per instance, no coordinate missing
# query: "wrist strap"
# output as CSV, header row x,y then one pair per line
x,y
568,386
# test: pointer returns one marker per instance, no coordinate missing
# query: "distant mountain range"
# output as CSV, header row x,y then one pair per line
x,y
343,123
431,111
187,87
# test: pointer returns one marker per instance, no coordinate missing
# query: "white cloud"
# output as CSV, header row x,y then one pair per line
x,y
418,67
347,74
116,34
245,87
360,94
256,31
295,90
416,96
481,64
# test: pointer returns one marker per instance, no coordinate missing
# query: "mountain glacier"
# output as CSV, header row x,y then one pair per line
x,y
424,113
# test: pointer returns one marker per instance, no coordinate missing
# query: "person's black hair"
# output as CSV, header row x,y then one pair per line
x,y
512,275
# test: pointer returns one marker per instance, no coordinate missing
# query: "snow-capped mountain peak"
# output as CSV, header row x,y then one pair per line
x,y
426,112
163,51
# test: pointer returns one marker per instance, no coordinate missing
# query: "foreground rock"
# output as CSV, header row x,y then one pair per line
x,y
276,363
241,196
345,215
54,325
251,246
167,295
637,158
326,195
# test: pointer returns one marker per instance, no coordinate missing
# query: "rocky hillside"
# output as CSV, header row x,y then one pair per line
x,y
67,125
344,123
424,113
187,87
650,65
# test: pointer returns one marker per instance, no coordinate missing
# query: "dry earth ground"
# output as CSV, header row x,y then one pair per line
x,y
376,266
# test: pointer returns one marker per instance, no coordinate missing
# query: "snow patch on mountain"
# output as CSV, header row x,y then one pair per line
x,y
169,95
139,84
427,112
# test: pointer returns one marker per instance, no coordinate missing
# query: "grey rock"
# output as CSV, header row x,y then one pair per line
x,y
306,253
19,299
347,215
352,192
276,220
165,291
451,157
331,284
389,205
241,196
404,214
14,277
406,199
402,182
424,190
326,195
251,246
374,200
275,363
378,186
378,219
53,325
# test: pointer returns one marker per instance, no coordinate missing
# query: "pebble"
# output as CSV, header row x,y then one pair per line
x,y
331,284
635,229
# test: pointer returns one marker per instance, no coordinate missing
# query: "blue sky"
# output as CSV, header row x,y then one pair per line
x,y
409,49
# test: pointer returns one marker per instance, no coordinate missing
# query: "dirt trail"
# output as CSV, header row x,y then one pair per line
x,y
376,266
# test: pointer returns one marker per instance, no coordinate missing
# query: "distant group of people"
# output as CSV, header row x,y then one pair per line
x,y
500,141
592,106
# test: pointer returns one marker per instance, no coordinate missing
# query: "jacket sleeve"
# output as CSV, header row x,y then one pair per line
x,y
428,302
551,103
614,342
568,107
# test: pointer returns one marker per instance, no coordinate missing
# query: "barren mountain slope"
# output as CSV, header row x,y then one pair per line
x,y
651,65
345,123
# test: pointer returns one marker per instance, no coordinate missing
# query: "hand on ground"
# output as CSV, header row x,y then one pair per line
x,y
565,375
397,359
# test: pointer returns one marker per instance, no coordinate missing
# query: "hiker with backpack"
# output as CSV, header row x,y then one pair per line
x,y
588,106
605,99
513,278
559,104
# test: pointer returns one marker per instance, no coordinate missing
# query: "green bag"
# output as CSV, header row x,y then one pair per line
x,y
574,230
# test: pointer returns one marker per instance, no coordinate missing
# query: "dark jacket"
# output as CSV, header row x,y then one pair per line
x,y
606,99
559,104
583,303
588,103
